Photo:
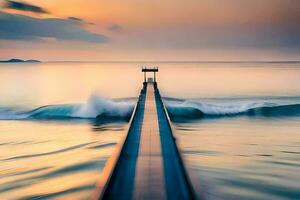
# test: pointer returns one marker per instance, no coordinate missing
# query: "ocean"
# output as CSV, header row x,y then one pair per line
x,y
237,125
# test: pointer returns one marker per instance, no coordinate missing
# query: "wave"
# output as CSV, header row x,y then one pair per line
x,y
96,108
107,110
193,109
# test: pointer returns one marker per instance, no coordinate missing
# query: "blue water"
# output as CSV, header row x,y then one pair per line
x,y
96,107
179,109
189,109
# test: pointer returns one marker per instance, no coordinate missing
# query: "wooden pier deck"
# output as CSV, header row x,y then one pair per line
x,y
147,163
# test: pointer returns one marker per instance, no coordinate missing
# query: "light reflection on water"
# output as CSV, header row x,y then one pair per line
x,y
244,158
35,85
52,160
236,158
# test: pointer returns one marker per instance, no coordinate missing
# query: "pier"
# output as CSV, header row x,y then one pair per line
x,y
146,164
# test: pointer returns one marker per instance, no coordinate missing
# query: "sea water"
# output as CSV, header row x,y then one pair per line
x,y
237,124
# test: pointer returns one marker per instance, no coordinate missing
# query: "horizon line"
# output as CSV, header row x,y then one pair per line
x,y
166,61
179,61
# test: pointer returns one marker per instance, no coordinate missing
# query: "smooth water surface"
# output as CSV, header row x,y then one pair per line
x,y
244,158
52,159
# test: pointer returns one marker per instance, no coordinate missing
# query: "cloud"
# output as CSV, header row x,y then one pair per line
x,y
21,27
115,28
267,36
24,7
75,19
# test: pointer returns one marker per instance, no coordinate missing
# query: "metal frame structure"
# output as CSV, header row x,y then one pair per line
x,y
149,69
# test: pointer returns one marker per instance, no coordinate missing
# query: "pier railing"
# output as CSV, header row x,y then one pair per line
x,y
181,162
119,180
112,162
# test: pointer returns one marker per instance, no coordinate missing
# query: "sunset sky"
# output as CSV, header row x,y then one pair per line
x,y
136,30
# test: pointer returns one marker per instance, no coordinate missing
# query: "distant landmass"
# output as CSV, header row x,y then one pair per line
x,y
14,60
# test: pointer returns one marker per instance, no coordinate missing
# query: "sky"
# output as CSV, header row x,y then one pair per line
x,y
144,30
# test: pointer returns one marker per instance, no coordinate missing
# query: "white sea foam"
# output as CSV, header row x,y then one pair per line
x,y
203,108
96,106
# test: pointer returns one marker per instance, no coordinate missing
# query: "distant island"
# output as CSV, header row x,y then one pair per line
x,y
14,60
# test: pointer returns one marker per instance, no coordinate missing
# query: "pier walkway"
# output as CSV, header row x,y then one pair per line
x,y
146,164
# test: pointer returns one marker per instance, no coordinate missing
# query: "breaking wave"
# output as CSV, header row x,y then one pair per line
x,y
96,108
100,108
195,109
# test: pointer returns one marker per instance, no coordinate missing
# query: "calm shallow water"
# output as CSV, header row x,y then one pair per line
x,y
244,158
238,148
52,159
